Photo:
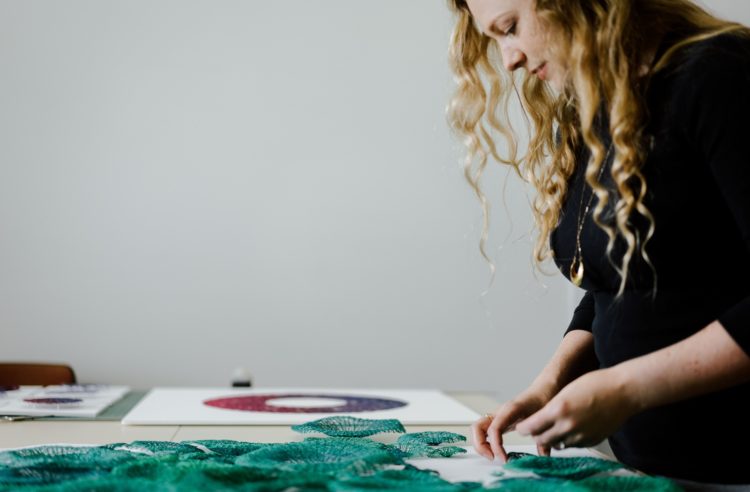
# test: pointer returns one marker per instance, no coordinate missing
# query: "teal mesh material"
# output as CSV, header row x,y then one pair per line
x,y
569,468
155,447
324,464
51,464
320,457
537,485
225,447
171,469
422,450
424,444
592,484
630,483
104,484
344,426
64,457
431,438
409,478
514,455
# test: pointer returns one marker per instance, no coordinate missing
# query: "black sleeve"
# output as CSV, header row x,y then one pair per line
x,y
583,316
720,125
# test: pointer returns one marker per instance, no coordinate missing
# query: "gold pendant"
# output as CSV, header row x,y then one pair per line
x,y
576,272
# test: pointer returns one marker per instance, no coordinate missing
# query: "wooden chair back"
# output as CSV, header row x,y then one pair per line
x,y
17,373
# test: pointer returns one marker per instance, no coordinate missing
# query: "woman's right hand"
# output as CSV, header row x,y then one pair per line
x,y
488,431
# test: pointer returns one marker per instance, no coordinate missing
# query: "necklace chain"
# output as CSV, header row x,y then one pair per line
x,y
576,266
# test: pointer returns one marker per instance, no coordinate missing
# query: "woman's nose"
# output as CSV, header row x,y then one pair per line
x,y
513,58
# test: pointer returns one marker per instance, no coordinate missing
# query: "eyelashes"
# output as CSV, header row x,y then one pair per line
x,y
508,31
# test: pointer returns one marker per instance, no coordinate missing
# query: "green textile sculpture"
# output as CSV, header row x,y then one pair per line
x,y
613,483
422,450
542,473
431,438
570,468
336,464
344,426
409,478
424,444
322,457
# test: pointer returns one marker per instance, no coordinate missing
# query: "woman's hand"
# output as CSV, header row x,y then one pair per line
x,y
583,413
488,431
573,357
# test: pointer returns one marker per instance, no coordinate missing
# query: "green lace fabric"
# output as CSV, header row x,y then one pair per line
x,y
570,468
425,444
591,484
344,426
422,450
541,473
431,438
408,478
316,463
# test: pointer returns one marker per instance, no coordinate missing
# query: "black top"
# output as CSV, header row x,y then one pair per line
x,y
698,176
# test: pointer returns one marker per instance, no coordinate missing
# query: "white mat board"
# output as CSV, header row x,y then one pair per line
x,y
472,467
184,406
92,400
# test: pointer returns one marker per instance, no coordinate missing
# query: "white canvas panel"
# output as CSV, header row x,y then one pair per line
x,y
185,406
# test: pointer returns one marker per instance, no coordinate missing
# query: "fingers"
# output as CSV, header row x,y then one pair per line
x,y
558,436
479,432
536,424
542,450
547,431
505,421
495,437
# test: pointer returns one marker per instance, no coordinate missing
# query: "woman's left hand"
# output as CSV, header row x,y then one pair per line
x,y
583,413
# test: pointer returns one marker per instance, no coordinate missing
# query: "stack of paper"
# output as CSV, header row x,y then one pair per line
x,y
76,400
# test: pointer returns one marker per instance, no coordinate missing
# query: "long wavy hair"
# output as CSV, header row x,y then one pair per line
x,y
606,42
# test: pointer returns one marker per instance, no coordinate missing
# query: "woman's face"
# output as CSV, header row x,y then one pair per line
x,y
522,37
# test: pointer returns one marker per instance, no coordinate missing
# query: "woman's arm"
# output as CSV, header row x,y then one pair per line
x,y
592,407
573,358
708,361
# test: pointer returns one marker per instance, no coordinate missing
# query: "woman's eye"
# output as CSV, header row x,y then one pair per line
x,y
510,30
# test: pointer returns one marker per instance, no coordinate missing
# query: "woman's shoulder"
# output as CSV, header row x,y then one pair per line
x,y
714,68
716,55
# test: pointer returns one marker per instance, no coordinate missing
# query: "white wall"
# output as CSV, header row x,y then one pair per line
x,y
735,10
187,186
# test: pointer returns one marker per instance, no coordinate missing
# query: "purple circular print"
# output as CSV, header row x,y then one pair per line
x,y
259,403
52,401
11,387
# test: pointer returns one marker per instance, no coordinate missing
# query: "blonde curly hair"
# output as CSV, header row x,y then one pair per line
x,y
605,42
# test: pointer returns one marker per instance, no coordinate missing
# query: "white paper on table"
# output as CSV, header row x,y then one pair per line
x,y
184,406
472,467
93,400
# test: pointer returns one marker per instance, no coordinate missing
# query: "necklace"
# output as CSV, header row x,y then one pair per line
x,y
576,266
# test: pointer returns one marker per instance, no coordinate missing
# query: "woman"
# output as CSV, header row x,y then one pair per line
x,y
640,115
